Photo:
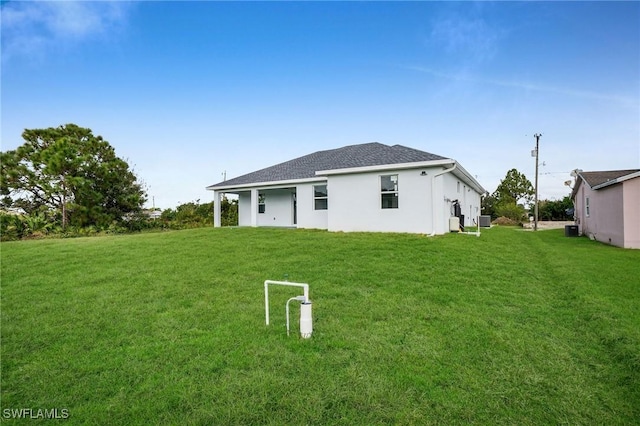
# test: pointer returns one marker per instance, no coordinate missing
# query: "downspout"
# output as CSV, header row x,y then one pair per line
x,y
433,197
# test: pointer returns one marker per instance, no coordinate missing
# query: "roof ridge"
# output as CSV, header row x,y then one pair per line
x,y
350,156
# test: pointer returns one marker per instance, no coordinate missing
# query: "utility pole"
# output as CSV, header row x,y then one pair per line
x,y
535,207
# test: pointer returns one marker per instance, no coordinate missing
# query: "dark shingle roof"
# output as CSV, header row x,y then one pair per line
x,y
595,179
363,155
598,178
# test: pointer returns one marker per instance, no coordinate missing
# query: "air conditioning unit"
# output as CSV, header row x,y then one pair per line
x,y
571,231
485,221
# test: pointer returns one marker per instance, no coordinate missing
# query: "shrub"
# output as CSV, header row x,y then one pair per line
x,y
11,227
511,210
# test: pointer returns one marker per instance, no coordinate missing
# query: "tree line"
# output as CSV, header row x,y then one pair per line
x,y
189,215
66,181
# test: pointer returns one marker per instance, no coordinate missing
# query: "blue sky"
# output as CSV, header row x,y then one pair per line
x,y
188,90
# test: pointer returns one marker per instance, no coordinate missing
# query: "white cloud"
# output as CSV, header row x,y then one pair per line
x,y
627,101
32,28
469,38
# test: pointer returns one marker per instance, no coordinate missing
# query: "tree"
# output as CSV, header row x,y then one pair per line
x,y
194,214
513,189
69,170
489,206
511,210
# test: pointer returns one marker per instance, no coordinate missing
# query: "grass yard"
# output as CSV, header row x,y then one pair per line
x,y
511,328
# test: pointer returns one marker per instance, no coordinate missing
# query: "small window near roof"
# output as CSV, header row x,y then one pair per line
x,y
389,191
261,203
586,206
320,197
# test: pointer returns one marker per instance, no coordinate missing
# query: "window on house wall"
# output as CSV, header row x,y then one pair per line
x,y
389,191
261,204
320,197
586,206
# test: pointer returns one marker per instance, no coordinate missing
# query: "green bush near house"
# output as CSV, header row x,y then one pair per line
x,y
512,327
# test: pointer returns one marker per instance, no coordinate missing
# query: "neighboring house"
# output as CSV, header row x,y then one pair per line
x,y
367,187
607,206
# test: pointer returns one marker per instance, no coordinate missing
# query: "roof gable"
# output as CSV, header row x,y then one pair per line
x,y
305,167
600,179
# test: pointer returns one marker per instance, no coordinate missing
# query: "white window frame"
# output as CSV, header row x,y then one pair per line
x,y
321,199
262,206
385,192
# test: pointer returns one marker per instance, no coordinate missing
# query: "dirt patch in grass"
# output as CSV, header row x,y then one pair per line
x,y
505,221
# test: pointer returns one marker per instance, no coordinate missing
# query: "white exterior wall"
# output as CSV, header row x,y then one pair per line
x,y
476,205
308,217
355,203
278,208
469,199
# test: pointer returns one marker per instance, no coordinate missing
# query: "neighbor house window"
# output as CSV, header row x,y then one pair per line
x,y
389,191
586,206
261,205
320,198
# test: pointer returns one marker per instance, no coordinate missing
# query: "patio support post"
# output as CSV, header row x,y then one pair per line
x,y
254,207
217,201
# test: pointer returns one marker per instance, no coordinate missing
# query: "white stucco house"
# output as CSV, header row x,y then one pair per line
x,y
607,206
367,187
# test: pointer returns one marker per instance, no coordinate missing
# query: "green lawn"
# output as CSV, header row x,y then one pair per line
x,y
512,328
